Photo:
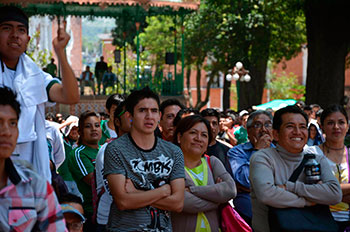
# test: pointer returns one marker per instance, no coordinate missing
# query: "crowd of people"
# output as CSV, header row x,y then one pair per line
x,y
151,165
103,75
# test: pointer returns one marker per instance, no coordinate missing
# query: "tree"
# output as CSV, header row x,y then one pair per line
x,y
40,56
285,87
157,39
200,29
250,32
328,40
126,27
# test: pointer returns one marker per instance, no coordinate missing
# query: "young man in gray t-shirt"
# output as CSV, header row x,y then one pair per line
x,y
145,174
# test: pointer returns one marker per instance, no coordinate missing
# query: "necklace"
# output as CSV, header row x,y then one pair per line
x,y
335,149
336,157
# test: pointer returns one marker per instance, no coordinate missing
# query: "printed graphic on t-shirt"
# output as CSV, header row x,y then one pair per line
x,y
162,166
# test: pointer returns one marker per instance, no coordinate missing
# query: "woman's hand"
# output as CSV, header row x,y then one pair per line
x,y
218,180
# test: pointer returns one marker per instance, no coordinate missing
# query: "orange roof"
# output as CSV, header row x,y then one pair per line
x,y
187,4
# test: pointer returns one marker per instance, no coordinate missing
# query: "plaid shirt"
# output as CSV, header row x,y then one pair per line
x,y
28,202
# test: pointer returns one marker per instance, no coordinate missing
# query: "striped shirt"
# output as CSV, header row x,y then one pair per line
x,y
28,202
82,162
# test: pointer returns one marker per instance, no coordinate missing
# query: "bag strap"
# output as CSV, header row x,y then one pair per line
x,y
347,161
208,161
298,170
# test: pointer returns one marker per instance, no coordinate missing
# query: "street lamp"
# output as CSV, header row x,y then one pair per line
x,y
238,74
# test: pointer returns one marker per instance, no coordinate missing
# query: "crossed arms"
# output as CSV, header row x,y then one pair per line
x,y
167,197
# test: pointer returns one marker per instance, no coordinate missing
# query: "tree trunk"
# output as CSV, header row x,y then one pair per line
x,y
200,104
226,94
189,95
198,82
251,92
328,39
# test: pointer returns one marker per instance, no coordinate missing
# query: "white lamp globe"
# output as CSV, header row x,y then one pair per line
x,y
236,76
229,77
247,78
239,65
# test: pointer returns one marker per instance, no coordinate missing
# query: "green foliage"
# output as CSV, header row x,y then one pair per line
x,y
229,30
224,31
130,79
89,44
126,26
157,39
41,57
250,31
285,87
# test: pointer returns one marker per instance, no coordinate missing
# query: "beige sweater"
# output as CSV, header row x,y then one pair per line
x,y
274,166
205,199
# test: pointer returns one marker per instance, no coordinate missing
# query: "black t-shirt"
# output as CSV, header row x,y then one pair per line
x,y
220,150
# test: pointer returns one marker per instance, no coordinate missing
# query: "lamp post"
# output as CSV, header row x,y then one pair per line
x,y
238,74
137,54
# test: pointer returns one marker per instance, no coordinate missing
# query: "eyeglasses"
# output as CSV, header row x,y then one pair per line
x,y
258,125
74,226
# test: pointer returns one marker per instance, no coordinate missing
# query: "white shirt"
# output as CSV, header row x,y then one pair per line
x,y
112,133
54,137
106,199
30,82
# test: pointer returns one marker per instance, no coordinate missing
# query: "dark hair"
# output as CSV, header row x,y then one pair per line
x,y
253,115
179,114
82,120
223,115
333,109
277,119
114,99
50,115
118,113
103,115
137,95
307,107
230,111
170,102
210,112
8,97
187,123
69,197
13,13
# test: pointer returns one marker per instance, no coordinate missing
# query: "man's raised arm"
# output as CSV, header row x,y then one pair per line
x,y
67,92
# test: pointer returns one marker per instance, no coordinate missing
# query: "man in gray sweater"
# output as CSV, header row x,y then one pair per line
x,y
271,168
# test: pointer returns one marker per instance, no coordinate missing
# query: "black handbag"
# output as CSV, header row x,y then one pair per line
x,y
312,218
